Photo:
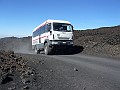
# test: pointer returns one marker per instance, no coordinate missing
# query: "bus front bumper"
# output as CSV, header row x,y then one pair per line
x,y
63,42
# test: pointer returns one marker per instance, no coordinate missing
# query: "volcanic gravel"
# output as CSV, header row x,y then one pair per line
x,y
15,74
32,72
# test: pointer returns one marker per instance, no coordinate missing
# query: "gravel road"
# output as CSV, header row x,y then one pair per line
x,y
74,72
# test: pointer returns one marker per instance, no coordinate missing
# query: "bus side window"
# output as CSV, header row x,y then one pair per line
x,y
48,27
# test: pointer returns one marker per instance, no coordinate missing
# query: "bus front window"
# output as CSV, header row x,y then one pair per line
x,y
62,27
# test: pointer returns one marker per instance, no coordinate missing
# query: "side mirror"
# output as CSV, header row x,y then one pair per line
x,y
72,27
50,32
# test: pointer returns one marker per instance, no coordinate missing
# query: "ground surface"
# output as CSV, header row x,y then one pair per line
x,y
67,72
22,69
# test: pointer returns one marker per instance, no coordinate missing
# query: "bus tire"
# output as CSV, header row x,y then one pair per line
x,y
36,50
47,49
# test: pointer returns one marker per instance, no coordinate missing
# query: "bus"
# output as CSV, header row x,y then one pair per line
x,y
52,35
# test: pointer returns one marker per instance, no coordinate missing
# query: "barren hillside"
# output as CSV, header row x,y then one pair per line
x,y
101,41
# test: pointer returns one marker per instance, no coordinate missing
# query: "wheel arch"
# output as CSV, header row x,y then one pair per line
x,y
47,41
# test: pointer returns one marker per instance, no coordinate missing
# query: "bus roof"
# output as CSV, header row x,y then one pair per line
x,y
51,21
58,21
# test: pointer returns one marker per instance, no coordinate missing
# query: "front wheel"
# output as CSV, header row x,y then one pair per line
x,y
47,49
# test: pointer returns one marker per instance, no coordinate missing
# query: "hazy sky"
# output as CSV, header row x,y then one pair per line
x,y
20,17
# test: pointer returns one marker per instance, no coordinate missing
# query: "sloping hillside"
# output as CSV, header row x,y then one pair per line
x,y
101,41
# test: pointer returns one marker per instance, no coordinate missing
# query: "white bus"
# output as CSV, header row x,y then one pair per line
x,y
51,36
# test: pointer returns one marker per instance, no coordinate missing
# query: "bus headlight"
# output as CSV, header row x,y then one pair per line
x,y
53,42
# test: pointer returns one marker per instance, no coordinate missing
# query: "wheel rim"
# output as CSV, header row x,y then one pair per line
x,y
45,49
35,49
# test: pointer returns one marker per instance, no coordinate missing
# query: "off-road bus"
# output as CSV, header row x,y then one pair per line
x,y
52,35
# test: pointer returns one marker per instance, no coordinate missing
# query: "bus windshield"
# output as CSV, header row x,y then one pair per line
x,y
62,27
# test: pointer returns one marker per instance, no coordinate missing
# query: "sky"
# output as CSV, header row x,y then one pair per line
x,y
20,17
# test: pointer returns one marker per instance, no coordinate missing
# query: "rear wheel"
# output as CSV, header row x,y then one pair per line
x,y
36,50
47,49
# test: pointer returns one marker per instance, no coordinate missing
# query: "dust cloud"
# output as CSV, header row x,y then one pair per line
x,y
18,45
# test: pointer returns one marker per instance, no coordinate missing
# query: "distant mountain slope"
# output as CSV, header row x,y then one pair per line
x,y
99,31
105,40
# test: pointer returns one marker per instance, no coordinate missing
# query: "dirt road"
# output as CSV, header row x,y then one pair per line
x,y
66,72
75,72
